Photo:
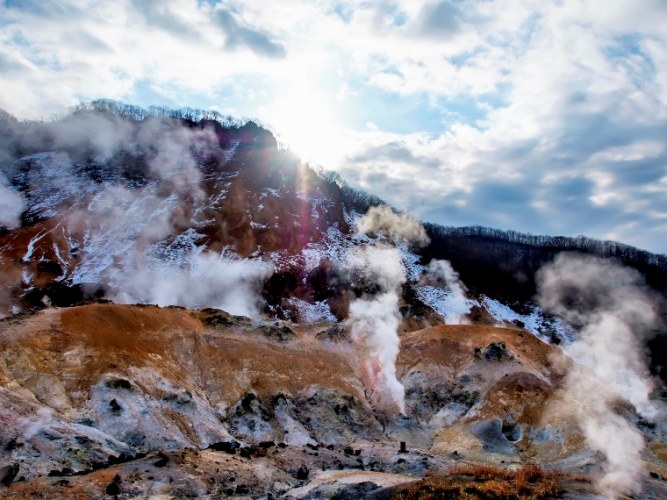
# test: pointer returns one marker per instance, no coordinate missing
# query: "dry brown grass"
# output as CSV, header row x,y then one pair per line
x,y
484,482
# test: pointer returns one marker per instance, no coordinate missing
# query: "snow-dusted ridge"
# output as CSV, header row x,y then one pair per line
x,y
123,227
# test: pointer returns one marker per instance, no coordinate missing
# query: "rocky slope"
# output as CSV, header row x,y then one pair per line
x,y
179,402
176,402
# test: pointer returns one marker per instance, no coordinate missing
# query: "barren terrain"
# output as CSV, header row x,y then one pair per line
x,y
139,401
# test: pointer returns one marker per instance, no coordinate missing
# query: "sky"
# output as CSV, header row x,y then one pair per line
x,y
547,117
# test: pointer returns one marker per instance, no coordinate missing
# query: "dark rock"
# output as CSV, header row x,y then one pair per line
x,y
113,489
242,489
83,440
226,446
124,457
211,310
218,320
266,444
490,432
242,320
48,266
13,445
162,460
66,472
302,473
348,450
357,491
495,351
118,383
511,431
281,334
282,445
245,452
8,473
335,334
115,407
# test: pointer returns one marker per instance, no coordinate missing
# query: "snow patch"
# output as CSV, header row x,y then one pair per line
x,y
535,322
445,303
312,313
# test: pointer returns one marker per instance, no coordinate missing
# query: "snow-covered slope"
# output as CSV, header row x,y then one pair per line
x,y
203,217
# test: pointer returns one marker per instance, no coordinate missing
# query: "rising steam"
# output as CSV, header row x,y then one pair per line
x,y
11,205
374,322
457,304
134,234
615,312
204,280
401,228
374,319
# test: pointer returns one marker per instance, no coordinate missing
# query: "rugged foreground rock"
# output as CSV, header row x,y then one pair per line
x,y
138,401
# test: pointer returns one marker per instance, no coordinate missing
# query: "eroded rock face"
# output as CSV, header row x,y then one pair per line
x,y
147,394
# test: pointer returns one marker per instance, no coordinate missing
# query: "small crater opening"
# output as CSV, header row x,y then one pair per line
x,y
511,431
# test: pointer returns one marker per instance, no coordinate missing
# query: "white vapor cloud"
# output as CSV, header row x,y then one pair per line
x,y
11,205
222,281
374,324
374,319
401,228
615,313
458,304
140,240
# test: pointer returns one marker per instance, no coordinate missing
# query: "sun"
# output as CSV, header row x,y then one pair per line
x,y
305,122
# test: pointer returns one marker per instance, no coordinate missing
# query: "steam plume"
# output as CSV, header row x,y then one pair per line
x,y
11,205
614,309
458,304
374,322
206,280
134,237
375,319
402,228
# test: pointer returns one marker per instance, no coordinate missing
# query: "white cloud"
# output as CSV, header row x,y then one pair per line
x,y
527,90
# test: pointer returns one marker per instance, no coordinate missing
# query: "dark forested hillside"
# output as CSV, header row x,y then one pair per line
x,y
504,263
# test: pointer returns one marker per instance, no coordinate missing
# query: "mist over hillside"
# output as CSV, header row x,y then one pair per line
x,y
175,286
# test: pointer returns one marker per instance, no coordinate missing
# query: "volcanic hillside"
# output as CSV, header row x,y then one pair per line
x,y
116,201
188,310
